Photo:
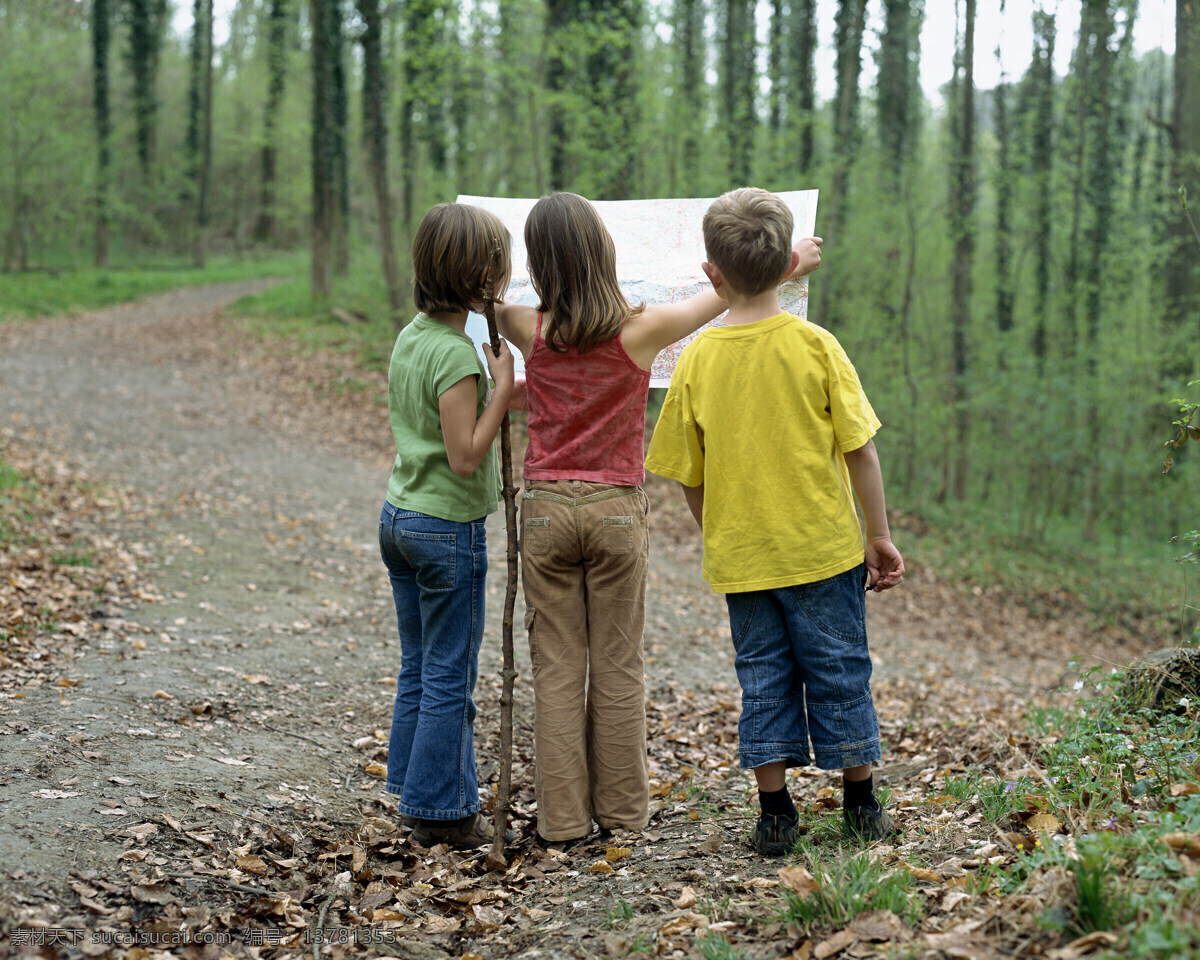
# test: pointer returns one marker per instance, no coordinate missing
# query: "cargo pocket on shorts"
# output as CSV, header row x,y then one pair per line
x,y
537,536
535,657
617,534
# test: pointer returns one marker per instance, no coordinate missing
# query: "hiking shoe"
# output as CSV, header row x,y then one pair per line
x,y
774,836
870,821
559,846
469,832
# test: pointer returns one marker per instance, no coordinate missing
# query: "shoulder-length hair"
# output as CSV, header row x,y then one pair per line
x,y
451,251
573,267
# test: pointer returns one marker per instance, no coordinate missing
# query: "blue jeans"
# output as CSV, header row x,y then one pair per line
x,y
437,569
805,671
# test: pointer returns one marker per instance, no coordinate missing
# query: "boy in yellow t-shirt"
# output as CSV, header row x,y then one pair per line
x,y
768,430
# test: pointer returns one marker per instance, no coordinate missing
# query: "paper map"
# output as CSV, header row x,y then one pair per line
x,y
660,247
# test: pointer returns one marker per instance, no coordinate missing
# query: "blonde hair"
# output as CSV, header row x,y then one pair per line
x,y
451,254
748,235
573,267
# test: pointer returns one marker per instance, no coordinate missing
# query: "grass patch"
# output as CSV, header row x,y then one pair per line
x,y
848,886
288,312
54,292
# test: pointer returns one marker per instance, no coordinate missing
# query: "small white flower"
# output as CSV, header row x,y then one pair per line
x,y
1078,685
1184,702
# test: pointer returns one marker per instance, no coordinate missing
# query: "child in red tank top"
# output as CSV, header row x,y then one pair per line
x,y
584,542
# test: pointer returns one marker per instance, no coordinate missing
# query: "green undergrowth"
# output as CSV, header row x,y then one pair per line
x,y
366,332
1132,585
50,292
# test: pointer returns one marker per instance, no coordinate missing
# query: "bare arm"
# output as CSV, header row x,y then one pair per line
x,y
695,501
468,439
517,323
663,324
884,563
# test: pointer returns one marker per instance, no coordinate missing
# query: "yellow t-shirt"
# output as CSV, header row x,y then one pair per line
x,y
761,414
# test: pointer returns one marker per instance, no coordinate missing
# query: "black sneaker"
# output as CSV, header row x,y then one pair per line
x,y
775,836
870,821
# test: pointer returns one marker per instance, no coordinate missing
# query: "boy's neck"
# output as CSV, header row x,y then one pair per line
x,y
456,320
743,310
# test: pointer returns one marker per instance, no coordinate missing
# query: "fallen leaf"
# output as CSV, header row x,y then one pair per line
x,y
613,854
1043,823
151,892
1188,843
377,769
835,944
798,880
879,925
231,761
255,865
687,898
258,679
54,794
1184,789
601,866
689,921
710,844
64,682
161,695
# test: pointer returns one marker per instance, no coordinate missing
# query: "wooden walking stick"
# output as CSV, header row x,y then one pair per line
x,y
496,859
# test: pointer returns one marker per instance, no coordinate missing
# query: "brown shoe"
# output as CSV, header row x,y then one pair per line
x,y
469,832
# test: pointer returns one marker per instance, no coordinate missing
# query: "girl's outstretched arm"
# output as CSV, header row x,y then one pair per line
x,y
661,325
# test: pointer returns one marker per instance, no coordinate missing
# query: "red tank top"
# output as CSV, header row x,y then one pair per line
x,y
587,414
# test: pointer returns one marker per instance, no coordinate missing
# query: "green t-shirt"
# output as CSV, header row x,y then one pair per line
x,y
430,357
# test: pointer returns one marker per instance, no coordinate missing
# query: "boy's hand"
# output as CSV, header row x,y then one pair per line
x,y
500,365
885,566
809,252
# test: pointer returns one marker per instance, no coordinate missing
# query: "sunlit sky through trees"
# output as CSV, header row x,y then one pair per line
x,y
1010,31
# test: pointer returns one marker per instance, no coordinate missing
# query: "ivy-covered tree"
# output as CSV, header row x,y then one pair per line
x,y
276,45
102,109
962,230
739,81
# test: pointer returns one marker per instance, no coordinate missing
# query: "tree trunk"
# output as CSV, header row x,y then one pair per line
x,y
851,16
739,78
690,47
804,46
101,33
898,96
323,148
341,157
264,229
1183,265
1041,79
375,133
962,206
559,16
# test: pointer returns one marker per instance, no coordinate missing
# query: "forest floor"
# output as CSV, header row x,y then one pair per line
x,y
197,664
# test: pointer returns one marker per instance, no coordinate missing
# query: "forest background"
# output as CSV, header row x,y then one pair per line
x,y
1013,270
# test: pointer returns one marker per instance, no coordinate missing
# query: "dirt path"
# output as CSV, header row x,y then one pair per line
x,y
256,693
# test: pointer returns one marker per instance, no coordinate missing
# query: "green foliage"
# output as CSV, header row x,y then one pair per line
x,y
1108,769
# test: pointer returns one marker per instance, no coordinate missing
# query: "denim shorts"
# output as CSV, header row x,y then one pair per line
x,y
805,671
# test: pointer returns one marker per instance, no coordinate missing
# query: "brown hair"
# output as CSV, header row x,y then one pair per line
x,y
450,257
573,267
748,235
